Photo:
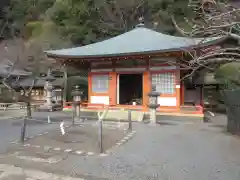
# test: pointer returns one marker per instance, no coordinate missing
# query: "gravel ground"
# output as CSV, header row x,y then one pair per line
x,y
10,131
170,151
61,115
84,138
174,151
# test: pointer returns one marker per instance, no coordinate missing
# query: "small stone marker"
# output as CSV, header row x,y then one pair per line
x,y
68,150
49,120
46,148
103,155
79,152
62,128
90,153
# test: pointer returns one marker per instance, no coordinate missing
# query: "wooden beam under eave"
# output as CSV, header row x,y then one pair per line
x,y
114,65
79,64
148,64
121,57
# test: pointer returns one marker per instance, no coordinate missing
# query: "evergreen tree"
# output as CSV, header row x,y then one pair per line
x,y
87,21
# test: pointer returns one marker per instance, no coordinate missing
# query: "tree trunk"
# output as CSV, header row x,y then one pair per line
x,y
232,102
29,115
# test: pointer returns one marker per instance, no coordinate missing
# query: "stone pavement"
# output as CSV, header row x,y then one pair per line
x,y
171,150
9,172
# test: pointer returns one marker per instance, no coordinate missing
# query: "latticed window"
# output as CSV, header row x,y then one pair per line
x,y
100,83
164,82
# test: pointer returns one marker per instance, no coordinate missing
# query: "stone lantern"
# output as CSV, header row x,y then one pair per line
x,y
48,106
76,94
153,105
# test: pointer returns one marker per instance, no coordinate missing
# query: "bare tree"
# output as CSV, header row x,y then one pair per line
x,y
212,19
216,19
23,60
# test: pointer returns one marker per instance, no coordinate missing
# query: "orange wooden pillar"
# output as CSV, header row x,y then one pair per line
x,y
146,88
112,88
178,90
89,87
182,93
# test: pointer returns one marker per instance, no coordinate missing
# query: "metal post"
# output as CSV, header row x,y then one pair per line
x,y
73,113
100,136
129,121
73,110
23,131
101,116
78,111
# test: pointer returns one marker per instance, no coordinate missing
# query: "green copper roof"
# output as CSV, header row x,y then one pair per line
x,y
140,40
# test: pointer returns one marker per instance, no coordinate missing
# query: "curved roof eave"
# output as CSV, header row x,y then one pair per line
x,y
139,41
112,55
132,53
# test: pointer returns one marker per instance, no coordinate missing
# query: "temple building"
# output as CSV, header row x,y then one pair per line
x,y
122,70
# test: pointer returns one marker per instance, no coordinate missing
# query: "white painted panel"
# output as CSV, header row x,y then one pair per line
x,y
99,100
167,101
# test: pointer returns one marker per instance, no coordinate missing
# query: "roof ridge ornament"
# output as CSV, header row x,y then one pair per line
x,y
141,22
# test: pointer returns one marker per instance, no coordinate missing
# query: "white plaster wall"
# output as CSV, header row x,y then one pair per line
x,y
167,101
99,100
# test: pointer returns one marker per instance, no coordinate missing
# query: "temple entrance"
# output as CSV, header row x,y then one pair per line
x,y
130,89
